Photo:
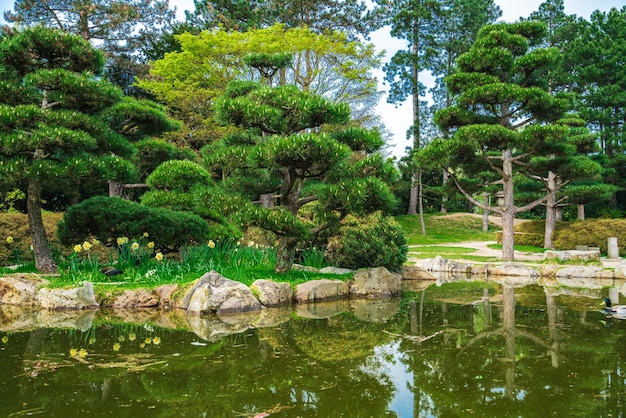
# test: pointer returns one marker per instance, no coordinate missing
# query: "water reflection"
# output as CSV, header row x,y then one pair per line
x,y
498,348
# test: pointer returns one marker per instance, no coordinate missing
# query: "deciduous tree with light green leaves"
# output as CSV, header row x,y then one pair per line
x,y
295,146
505,118
51,124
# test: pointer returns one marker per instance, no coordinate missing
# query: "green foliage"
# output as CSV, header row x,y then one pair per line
x,y
108,218
152,152
178,175
373,241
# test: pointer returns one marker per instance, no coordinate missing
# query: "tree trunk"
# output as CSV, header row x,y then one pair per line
x,y
550,212
266,200
581,212
508,207
444,197
412,209
116,189
486,213
285,254
41,248
421,200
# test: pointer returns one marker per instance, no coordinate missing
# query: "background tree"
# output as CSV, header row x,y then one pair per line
x,y
120,28
50,99
503,114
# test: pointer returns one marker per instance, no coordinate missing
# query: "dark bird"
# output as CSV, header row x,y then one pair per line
x,y
619,310
110,271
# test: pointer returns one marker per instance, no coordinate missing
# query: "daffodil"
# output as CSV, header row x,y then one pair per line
x,y
156,341
10,239
116,347
146,235
95,241
134,246
159,256
78,248
142,345
120,241
82,353
92,341
132,336
121,338
73,352
86,246
148,340
151,244
211,244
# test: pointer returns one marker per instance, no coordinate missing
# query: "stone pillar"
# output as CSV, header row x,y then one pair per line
x,y
613,249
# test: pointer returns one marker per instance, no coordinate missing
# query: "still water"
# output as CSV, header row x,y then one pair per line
x,y
454,350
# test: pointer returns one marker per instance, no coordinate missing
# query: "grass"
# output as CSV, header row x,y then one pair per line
x,y
442,229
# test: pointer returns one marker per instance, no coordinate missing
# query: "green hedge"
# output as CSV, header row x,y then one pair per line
x,y
108,218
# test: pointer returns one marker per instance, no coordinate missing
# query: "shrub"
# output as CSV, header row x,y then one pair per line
x,y
591,232
108,218
530,233
372,241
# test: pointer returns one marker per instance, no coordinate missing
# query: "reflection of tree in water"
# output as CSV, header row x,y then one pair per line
x,y
525,360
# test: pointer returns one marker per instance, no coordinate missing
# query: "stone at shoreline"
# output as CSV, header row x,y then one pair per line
x,y
415,273
376,283
334,270
213,293
271,293
75,298
572,255
320,290
514,269
444,265
138,298
21,290
165,293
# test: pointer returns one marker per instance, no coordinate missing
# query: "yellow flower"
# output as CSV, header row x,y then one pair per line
x,y
5,339
10,239
95,241
142,345
159,256
156,341
120,241
121,338
151,244
148,340
82,353
78,248
86,245
131,337
92,340
145,235
116,347
134,246
73,352
211,244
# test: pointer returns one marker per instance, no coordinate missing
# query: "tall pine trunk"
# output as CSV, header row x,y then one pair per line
x,y
550,212
508,207
285,254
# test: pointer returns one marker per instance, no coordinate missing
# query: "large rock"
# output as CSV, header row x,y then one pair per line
x,y
415,273
444,265
75,298
271,293
515,269
320,290
20,289
572,255
213,293
138,298
334,270
376,283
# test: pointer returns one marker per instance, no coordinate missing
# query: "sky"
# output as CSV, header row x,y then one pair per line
x,y
398,119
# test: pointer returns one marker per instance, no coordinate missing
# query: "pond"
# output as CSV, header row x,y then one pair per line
x,y
451,350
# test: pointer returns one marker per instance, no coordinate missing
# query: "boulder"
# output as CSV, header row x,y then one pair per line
x,y
444,265
376,283
514,269
166,293
271,293
335,270
300,267
75,298
20,289
319,290
213,293
415,273
572,255
138,298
